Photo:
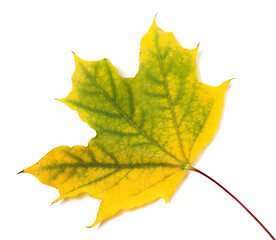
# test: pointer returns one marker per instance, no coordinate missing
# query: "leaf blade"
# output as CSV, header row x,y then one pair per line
x,y
149,128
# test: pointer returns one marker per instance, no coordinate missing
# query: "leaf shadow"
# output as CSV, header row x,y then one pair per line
x,y
122,212
72,199
102,223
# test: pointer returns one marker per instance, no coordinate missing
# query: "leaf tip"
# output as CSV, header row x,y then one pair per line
x,y
93,225
57,200
167,200
76,58
230,80
60,100
154,20
194,52
20,172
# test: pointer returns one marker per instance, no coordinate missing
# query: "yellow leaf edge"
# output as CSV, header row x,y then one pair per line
x,y
211,125
164,189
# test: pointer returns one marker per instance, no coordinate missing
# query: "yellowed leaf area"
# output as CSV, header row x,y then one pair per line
x,y
149,128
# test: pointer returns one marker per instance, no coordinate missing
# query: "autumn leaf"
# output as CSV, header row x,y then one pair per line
x,y
149,128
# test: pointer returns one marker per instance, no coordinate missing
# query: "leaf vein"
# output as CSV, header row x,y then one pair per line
x,y
127,118
168,94
206,117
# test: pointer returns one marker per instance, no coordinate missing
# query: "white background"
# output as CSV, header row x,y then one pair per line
x,y
237,39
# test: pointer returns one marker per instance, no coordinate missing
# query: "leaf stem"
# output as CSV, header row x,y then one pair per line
x,y
252,215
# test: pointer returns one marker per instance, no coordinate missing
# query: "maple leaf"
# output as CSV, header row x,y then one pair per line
x,y
149,128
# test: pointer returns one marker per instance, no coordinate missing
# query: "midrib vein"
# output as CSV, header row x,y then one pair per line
x,y
125,116
87,165
169,97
